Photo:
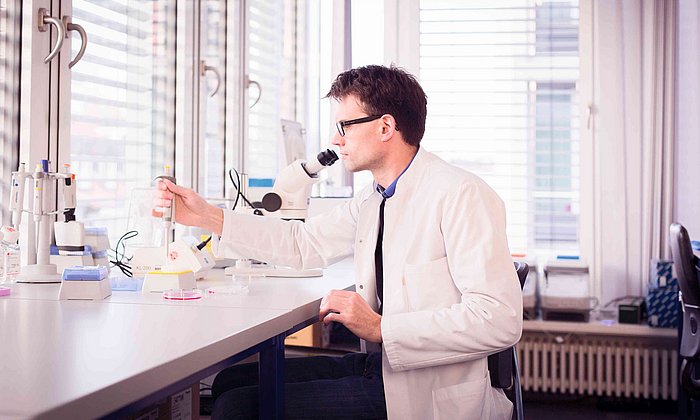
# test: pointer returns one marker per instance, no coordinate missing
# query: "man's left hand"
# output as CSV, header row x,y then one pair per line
x,y
351,310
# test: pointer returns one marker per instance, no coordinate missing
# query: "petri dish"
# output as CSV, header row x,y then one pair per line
x,y
182,294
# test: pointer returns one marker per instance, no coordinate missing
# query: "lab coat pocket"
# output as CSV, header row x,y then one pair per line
x,y
468,400
429,285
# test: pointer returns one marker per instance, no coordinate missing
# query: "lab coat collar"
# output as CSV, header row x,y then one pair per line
x,y
389,191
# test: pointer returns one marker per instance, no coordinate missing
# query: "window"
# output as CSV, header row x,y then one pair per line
x,y
9,98
502,80
272,54
122,105
213,98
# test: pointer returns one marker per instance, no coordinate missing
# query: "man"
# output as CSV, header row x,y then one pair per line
x,y
436,291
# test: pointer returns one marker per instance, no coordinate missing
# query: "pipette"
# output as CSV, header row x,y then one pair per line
x,y
38,192
17,195
69,201
167,211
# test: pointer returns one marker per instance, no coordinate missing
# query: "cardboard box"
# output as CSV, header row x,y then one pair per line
x,y
662,296
183,405
315,335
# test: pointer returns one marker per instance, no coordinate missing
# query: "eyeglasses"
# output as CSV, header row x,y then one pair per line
x,y
340,125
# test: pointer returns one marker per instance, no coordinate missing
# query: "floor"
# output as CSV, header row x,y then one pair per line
x,y
544,407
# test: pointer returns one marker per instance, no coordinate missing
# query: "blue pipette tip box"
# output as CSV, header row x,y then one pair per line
x,y
126,284
85,273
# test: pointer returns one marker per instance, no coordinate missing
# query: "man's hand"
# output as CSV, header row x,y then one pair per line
x,y
190,208
351,310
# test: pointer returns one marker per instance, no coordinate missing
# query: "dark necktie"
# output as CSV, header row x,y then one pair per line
x,y
378,263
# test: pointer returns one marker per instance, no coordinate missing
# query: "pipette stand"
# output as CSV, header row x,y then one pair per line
x,y
43,271
39,268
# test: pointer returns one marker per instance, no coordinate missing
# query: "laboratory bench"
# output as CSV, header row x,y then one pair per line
x,y
68,358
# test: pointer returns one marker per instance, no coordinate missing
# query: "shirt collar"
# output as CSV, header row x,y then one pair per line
x,y
389,191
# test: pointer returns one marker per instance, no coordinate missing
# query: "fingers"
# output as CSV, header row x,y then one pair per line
x,y
175,188
331,317
156,213
162,202
329,303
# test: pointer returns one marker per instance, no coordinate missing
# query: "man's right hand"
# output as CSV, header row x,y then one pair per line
x,y
190,208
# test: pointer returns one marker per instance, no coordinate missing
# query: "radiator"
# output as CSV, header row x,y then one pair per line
x,y
626,367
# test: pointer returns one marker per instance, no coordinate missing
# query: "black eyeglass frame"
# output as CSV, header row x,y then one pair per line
x,y
340,125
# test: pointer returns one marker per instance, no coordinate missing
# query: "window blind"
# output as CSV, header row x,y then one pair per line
x,y
212,173
9,98
272,53
122,105
501,79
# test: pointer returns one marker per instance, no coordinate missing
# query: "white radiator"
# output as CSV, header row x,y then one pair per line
x,y
599,365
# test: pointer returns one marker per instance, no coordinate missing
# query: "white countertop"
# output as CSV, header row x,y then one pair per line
x,y
64,358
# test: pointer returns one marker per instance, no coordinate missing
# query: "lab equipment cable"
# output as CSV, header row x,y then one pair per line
x,y
239,194
237,185
204,243
120,256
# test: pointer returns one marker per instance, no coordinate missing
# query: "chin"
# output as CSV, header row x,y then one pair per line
x,y
349,166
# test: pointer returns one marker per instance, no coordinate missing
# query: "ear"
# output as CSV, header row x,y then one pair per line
x,y
388,127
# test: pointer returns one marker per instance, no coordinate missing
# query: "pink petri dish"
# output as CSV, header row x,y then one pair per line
x,y
182,294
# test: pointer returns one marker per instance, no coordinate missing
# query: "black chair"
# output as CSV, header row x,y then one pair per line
x,y
685,263
503,366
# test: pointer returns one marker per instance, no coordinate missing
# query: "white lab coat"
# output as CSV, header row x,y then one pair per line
x,y
451,295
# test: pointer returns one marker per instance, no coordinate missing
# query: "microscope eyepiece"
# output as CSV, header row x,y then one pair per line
x,y
327,157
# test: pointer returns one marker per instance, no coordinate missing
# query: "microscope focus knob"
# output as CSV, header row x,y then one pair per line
x,y
272,202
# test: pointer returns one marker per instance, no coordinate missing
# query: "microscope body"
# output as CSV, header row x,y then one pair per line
x,y
290,195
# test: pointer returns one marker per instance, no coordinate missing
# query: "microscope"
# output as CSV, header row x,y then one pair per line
x,y
289,198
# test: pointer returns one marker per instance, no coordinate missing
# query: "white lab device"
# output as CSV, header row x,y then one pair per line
x,y
566,291
289,198
185,255
160,281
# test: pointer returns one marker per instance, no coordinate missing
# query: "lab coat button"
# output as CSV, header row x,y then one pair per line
x,y
362,286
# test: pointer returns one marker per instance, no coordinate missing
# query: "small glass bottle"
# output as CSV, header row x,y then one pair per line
x,y
10,255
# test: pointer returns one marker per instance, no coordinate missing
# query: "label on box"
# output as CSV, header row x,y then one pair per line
x,y
181,405
662,297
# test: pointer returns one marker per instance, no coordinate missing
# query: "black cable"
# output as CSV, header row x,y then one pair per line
x,y
204,243
120,256
237,186
239,194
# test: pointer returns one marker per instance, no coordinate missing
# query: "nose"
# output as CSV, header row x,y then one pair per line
x,y
337,140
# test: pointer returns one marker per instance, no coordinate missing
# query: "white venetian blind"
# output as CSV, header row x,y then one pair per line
x,y
272,52
501,78
122,104
9,98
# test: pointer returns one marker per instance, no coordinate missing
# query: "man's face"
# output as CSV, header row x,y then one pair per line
x,y
360,147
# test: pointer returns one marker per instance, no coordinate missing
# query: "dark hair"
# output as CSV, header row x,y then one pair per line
x,y
386,90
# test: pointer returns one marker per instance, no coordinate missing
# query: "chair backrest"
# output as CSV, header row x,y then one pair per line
x,y
501,363
685,264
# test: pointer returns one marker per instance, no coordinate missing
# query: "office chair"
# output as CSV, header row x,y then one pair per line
x,y
686,262
503,366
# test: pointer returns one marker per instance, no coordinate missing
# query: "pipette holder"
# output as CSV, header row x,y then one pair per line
x,y
38,268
